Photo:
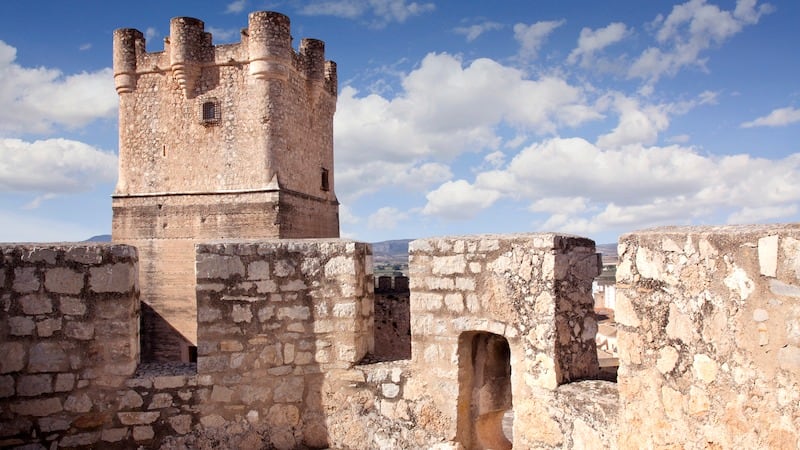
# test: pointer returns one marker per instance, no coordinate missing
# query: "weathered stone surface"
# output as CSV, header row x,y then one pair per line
x,y
36,304
37,407
119,277
143,433
181,424
114,434
79,403
26,280
72,306
48,357
137,418
33,385
13,359
63,280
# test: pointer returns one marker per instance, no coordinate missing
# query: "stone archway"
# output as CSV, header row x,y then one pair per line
x,y
484,379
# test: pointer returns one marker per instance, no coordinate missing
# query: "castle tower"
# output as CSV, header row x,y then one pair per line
x,y
215,142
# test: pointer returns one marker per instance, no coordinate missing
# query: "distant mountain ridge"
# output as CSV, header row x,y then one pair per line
x,y
99,238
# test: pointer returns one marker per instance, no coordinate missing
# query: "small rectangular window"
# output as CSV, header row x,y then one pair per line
x,y
210,112
325,183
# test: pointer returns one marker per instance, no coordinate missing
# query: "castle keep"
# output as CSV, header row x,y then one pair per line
x,y
218,142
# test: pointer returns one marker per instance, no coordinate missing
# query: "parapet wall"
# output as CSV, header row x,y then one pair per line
x,y
502,332
69,321
709,337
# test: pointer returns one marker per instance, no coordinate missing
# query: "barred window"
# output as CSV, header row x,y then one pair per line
x,y
210,112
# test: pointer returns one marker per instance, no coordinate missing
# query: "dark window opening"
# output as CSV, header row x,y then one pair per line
x,y
211,112
325,182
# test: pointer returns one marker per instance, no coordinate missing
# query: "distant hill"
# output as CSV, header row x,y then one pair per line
x,y
608,250
99,238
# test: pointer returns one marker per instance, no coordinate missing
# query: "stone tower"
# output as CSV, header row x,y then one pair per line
x,y
215,142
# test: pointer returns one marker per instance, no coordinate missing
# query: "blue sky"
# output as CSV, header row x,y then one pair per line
x,y
454,117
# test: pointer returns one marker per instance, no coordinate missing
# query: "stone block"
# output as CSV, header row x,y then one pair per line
x,y
80,439
85,255
46,327
181,424
72,306
6,386
79,330
768,255
48,357
241,313
119,277
50,424
13,359
130,399
258,270
47,255
222,394
25,280
218,266
21,326
37,407
143,433
288,390
78,403
62,280
138,418
161,400
33,385
114,434
294,313
64,382
169,382
36,304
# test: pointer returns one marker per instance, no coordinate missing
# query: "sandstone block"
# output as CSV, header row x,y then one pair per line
x,y
169,382
114,434
181,424
81,439
241,313
6,386
138,418
705,368
72,306
79,330
63,280
221,394
283,268
294,313
21,326
390,390
218,266
48,357
49,424
79,403
46,327
130,399
789,359
25,280
160,400
283,416
258,270
768,255
13,359
33,385
37,407
143,433
212,421
340,265
118,277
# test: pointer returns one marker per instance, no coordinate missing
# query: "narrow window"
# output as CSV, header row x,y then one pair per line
x,y
325,183
210,112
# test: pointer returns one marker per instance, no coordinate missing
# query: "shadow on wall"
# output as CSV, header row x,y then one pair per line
x,y
161,342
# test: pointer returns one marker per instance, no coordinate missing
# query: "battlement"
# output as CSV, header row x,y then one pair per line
x,y
265,47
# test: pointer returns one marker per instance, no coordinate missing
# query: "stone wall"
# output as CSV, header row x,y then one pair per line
x,y
709,337
274,318
69,321
534,292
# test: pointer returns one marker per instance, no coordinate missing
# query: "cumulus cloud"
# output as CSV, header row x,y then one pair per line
x,y
532,37
777,118
582,188
446,108
386,218
472,32
459,200
53,166
35,100
379,12
688,31
592,41
638,124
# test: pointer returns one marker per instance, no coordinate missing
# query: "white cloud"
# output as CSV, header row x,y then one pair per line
x,y
85,46
585,189
37,99
532,37
236,7
689,30
446,109
223,35
472,32
386,218
380,12
151,33
592,41
777,118
458,200
638,124
53,166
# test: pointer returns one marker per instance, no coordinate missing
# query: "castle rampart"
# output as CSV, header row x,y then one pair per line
x,y
501,330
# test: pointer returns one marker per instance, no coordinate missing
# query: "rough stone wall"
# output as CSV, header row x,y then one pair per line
x,y
534,291
709,337
392,321
254,170
69,320
275,317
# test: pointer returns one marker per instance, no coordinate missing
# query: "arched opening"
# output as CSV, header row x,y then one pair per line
x,y
484,379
